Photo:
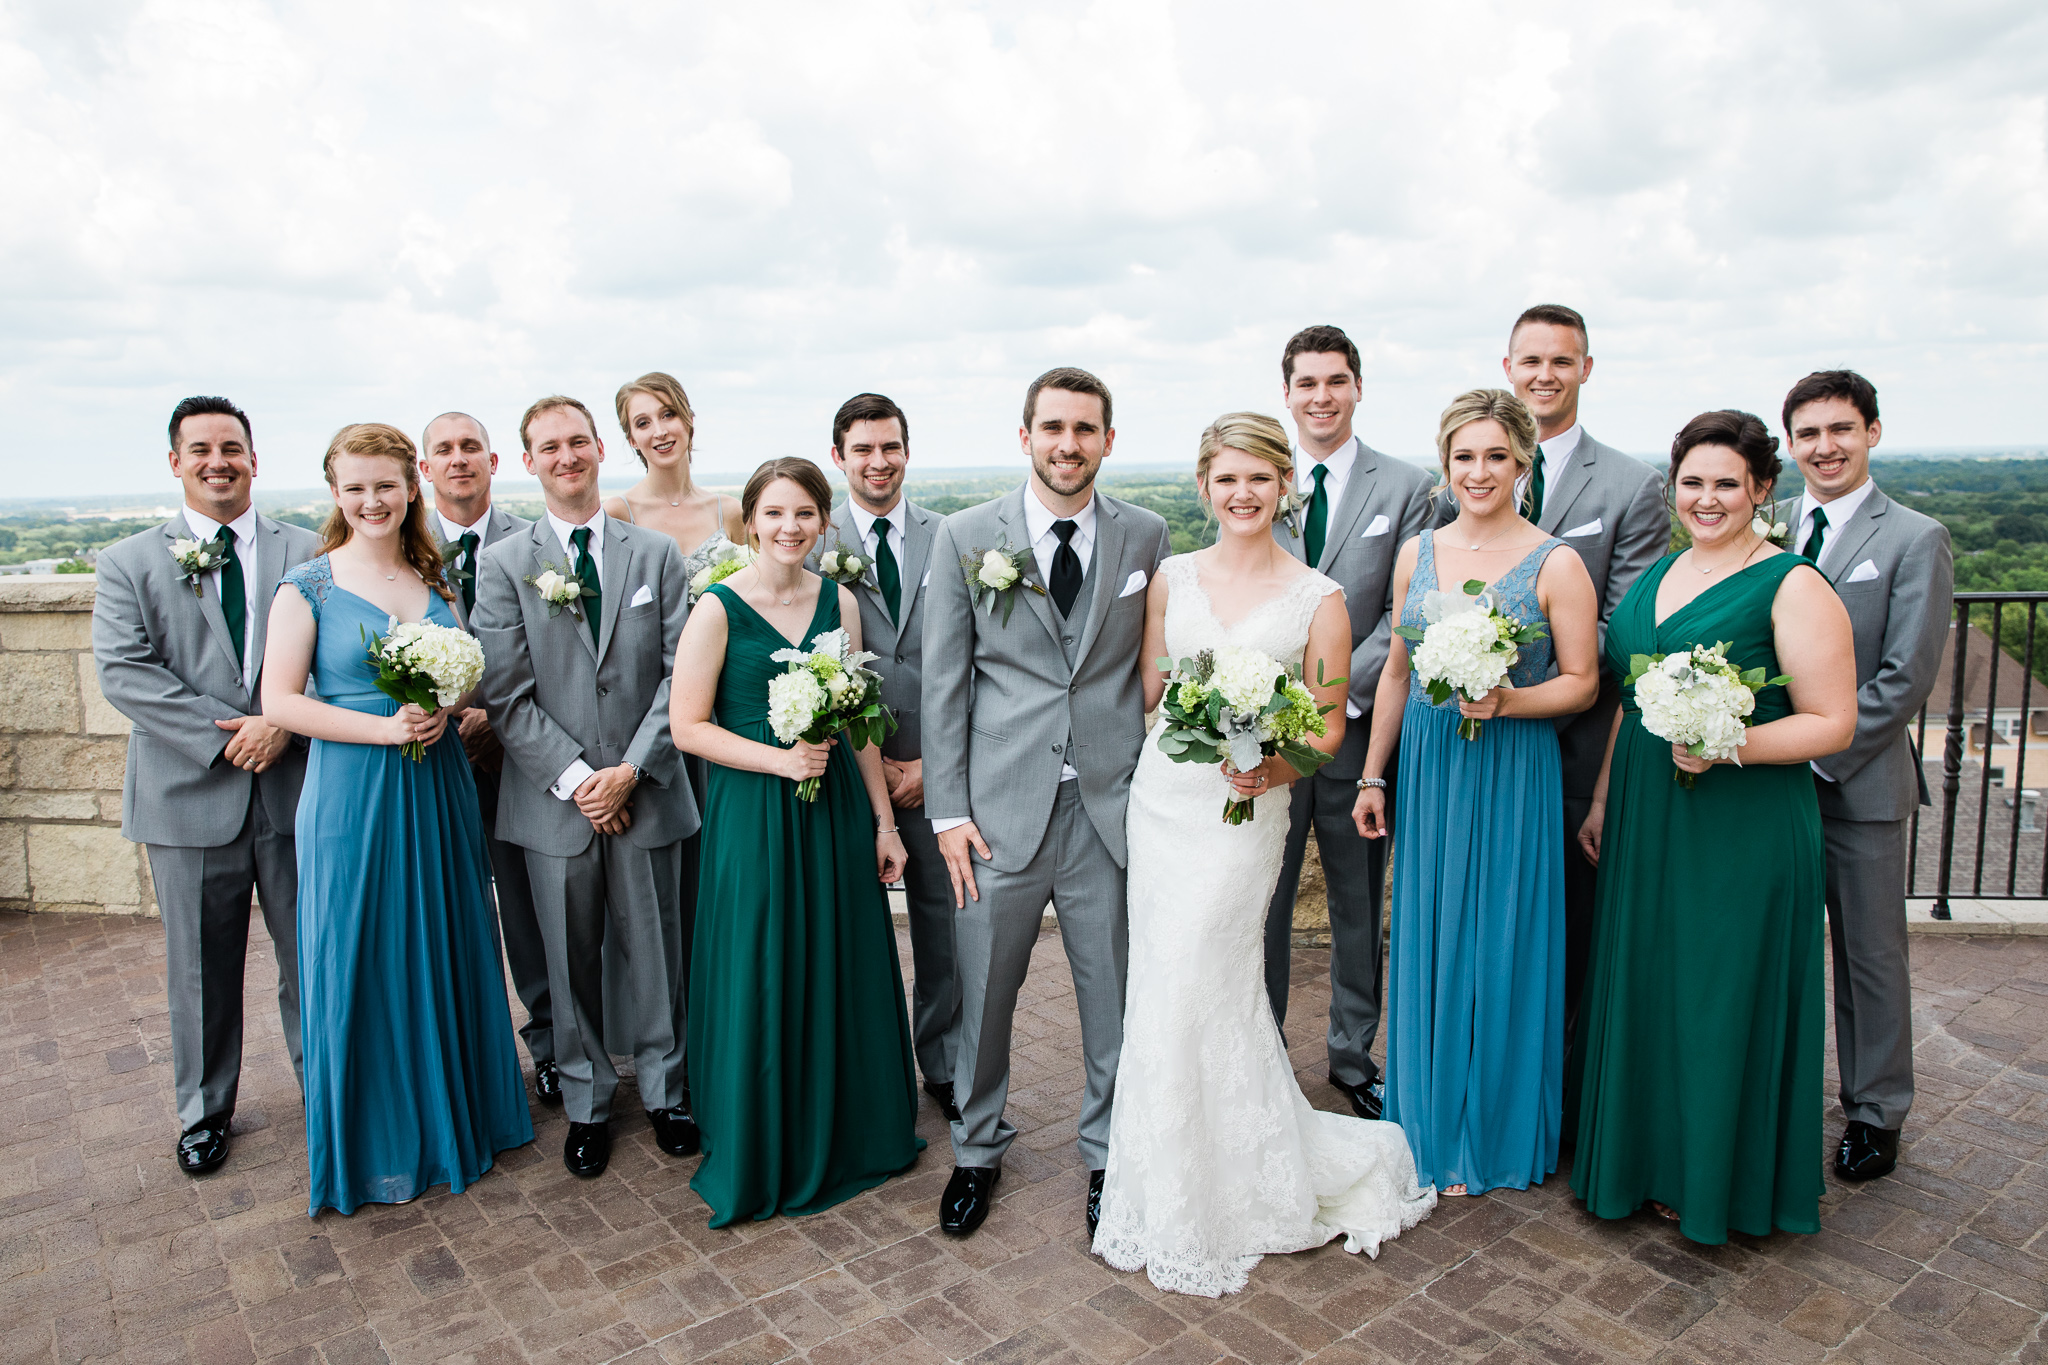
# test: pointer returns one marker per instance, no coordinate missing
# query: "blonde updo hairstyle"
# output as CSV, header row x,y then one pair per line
x,y
1256,435
1484,405
668,391
377,439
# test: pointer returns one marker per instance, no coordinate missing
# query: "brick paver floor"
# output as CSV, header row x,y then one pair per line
x,y
107,1251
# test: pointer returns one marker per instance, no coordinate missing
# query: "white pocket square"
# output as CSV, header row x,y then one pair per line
x,y
926,581
1135,583
642,597
1591,528
1863,572
1377,528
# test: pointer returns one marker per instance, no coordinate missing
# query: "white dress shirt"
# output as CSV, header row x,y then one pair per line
x,y
579,772
1555,453
864,527
1839,512
452,530
1339,467
244,528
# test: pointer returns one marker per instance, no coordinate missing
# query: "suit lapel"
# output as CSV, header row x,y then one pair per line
x,y
917,554
1577,474
1842,558
1109,573
269,570
497,526
1357,489
209,596
547,550
615,575
1012,515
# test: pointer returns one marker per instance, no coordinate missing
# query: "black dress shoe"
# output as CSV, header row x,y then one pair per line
x,y
942,1095
1867,1152
1367,1101
588,1150
1094,1201
964,1206
675,1132
547,1082
204,1145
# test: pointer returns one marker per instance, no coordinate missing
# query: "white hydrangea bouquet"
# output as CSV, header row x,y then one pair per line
x,y
827,690
1237,706
1467,646
427,665
1699,699
726,561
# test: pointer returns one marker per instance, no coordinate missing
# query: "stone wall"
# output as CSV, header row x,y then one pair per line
x,y
62,753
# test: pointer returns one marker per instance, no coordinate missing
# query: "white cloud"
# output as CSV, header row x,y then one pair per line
x,y
380,211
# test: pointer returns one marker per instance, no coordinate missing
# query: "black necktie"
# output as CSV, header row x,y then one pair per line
x,y
1066,568
470,540
1813,541
586,569
886,572
233,601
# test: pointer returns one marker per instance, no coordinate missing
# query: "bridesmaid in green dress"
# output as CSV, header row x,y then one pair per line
x,y
799,1045
1700,1043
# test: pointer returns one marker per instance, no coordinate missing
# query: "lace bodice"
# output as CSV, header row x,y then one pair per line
x,y
1278,626
1515,594
314,578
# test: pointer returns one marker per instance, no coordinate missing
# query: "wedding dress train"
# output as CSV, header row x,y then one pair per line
x,y
1215,1156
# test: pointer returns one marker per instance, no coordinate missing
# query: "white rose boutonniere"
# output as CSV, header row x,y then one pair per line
x,y
845,566
195,560
560,589
1776,532
993,577
1288,513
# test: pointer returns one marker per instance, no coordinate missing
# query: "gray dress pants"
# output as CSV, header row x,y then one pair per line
x,y
203,895
1866,896
935,991
525,953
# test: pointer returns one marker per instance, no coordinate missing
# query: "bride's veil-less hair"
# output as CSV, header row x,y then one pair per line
x,y
1255,434
1482,405
422,551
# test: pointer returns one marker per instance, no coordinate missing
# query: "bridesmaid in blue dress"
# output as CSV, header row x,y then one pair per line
x,y
1475,1064
411,1077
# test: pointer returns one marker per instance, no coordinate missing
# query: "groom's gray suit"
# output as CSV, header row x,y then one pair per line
x,y
1894,571
214,831
555,697
1385,502
1006,706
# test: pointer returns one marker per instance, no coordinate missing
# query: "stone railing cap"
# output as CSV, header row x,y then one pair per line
x,y
47,592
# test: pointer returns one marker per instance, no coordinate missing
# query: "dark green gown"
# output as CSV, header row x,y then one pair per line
x,y
1700,1038
799,1044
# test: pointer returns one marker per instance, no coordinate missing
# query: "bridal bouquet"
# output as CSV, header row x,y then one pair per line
x,y
826,690
726,561
427,665
1238,705
1467,647
1699,699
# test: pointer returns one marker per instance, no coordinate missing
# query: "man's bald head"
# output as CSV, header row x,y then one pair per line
x,y
456,459
454,421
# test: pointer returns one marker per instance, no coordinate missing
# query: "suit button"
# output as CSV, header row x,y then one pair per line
x,y
1055,748
1066,639
604,691
1073,688
899,658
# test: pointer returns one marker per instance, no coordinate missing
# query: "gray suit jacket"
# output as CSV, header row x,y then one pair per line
x,y
554,697
1609,507
900,643
1385,502
1901,619
167,662
1001,703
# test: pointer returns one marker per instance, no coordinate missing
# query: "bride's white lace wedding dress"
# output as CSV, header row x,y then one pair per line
x,y
1215,1157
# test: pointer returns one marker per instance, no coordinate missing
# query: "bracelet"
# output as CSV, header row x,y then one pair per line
x,y
880,832
1365,782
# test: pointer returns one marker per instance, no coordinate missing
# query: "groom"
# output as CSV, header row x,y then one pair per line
x,y
1033,717
594,791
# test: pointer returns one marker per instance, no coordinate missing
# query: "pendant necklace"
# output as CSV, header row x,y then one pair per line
x,y
1709,573
1490,539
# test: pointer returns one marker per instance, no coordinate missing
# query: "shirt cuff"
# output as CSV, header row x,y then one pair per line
x,y
1351,711
941,826
573,776
1818,773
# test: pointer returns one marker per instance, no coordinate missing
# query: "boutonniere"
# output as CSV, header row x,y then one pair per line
x,y
994,575
561,590
450,553
1289,512
844,566
1776,532
196,559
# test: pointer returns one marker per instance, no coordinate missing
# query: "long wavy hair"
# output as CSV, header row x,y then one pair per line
x,y
416,540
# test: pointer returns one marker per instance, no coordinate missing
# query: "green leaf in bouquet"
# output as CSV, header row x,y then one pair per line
x,y
1304,758
1165,664
1439,692
1473,587
1321,681
1752,678
1405,632
1639,664
1779,681
1172,741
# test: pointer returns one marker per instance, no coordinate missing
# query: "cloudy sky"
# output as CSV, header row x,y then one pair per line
x,y
376,211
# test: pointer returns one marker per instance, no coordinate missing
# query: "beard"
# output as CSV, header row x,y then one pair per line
x,y
1065,482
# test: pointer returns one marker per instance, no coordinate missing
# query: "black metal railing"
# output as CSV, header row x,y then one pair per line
x,y
2007,663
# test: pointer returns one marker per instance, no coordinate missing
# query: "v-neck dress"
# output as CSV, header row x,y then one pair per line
x,y
1700,1037
799,1044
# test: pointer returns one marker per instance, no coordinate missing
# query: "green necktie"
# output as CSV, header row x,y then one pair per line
x,y
470,540
886,572
586,570
233,601
1318,517
1536,486
1820,523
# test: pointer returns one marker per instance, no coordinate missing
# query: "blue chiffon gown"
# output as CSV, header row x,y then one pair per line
x,y
411,1076
1475,1060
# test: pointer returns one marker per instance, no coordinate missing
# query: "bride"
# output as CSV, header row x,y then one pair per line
x,y
1215,1157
